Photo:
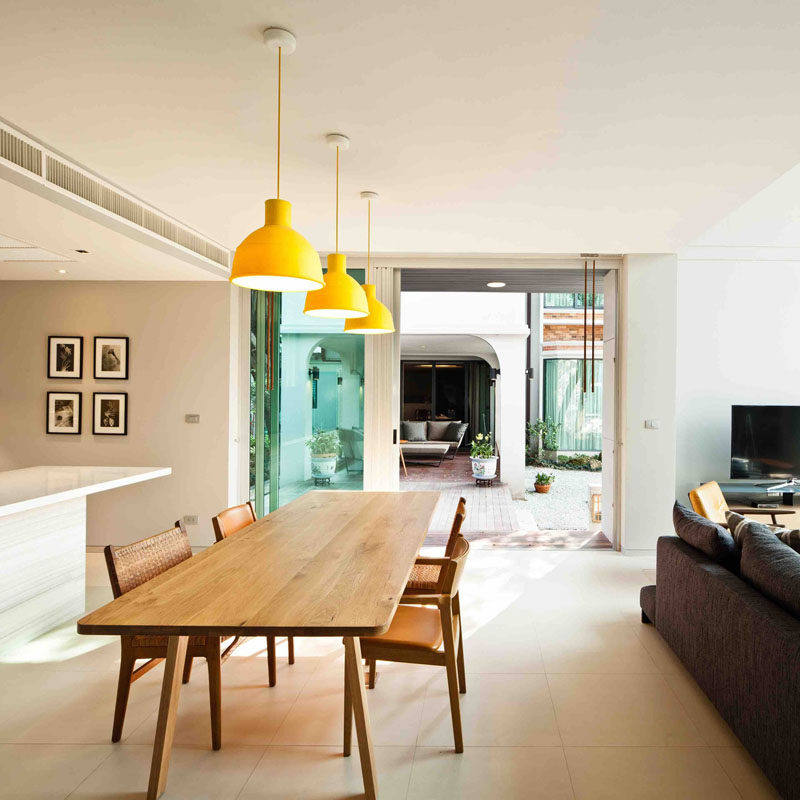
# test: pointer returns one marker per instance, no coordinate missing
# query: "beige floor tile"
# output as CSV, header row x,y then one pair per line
x,y
395,709
251,711
659,650
321,773
712,727
496,711
595,650
495,648
647,773
46,771
194,774
510,773
70,707
746,775
619,710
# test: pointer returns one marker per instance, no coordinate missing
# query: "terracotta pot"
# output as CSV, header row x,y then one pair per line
x,y
542,488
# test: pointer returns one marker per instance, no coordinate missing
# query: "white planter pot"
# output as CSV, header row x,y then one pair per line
x,y
484,467
323,466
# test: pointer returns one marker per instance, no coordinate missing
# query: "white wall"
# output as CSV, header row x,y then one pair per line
x,y
180,349
647,360
737,343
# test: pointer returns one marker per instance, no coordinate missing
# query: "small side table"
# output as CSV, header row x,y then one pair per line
x,y
484,481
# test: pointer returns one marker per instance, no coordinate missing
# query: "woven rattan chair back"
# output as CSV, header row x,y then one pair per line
x,y
233,519
131,565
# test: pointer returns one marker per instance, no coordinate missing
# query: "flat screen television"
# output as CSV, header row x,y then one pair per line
x,y
765,442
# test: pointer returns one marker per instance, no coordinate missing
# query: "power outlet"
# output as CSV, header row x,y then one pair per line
x,y
190,519
192,419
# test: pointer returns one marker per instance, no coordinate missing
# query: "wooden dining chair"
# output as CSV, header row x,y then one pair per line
x,y
424,575
225,524
130,566
418,632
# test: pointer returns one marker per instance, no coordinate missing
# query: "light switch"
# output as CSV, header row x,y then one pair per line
x,y
190,519
192,418
652,424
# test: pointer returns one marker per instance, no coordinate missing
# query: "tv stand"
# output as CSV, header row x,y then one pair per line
x,y
789,489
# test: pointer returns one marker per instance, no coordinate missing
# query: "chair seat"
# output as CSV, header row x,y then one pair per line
x,y
424,576
163,641
412,626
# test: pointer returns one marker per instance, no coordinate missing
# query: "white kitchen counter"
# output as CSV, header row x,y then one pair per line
x,y
34,487
43,543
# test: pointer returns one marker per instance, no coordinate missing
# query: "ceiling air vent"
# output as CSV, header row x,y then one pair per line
x,y
20,150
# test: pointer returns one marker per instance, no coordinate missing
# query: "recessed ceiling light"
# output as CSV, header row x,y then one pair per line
x,y
495,284
61,271
85,252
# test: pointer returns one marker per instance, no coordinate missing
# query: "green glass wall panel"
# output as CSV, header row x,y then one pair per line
x,y
580,414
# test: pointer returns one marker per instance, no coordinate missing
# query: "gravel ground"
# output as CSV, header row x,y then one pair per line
x,y
564,507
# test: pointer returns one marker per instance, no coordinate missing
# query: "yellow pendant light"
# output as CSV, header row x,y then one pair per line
x,y
341,297
379,319
276,258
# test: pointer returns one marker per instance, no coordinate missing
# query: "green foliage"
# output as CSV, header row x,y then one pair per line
x,y
545,430
586,462
323,443
482,446
544,478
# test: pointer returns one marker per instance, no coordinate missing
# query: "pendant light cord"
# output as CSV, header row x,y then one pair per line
x,y
278,192
337,198
369,234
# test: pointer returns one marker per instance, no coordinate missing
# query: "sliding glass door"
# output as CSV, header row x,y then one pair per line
x,y
306,379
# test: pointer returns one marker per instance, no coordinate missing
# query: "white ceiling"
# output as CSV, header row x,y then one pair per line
x,y
517,127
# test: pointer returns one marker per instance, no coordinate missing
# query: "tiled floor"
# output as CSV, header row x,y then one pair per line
x,y
569,696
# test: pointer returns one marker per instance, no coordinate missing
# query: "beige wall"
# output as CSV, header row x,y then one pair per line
x,y
180,337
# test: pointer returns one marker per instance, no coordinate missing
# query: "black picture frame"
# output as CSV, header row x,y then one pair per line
x,y
51,423
53,357
98,428
122,342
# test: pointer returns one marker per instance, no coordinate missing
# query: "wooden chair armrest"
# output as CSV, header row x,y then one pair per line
x,y
432,562
420,599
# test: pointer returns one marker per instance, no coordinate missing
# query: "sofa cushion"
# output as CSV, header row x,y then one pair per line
x,y
437,429
771,566
706,536
736,525
455,431
414,431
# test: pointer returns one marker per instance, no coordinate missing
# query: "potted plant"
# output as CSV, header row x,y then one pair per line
x,y
543,482
324,447
482,457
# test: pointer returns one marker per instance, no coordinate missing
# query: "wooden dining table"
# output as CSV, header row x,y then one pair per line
x,y
330,563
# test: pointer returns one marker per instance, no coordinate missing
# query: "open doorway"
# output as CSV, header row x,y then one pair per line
x,y
547,422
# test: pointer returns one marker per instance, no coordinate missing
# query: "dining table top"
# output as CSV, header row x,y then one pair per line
x,y
330,563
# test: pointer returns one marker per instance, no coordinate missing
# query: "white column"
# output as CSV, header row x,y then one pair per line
x,y
647,358
382,391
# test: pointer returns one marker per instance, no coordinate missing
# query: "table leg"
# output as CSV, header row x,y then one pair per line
x,y
167,712
358,698
403,462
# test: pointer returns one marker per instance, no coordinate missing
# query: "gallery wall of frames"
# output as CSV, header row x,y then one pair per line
x,y
110,362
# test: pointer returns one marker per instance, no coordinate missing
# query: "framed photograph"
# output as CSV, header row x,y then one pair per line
x,y
110,413
65,356
111,358
64,412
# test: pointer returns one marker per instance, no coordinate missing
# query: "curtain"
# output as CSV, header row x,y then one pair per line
x,y
580,415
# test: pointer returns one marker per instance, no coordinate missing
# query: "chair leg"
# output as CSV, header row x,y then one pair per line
x,y
290,642
348,711
452,674
271,665
372,668
187,669
462,673
126,665
215,689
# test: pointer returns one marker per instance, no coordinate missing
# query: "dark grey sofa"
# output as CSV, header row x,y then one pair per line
x,y
742,649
